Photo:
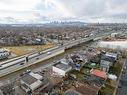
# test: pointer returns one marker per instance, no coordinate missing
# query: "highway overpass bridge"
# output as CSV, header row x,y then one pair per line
x,y
83,40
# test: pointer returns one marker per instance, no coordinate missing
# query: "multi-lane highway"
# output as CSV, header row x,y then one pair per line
x,y
15,64
23,62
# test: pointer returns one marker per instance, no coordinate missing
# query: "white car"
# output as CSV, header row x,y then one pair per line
x,y
48,53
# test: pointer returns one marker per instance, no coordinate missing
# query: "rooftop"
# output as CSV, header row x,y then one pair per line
x,y
108,58
72,92
104,62
111,54
31,78
28,79
99,73
62,66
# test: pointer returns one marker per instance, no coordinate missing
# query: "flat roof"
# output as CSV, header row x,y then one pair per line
x,y
62,66
28,79
111,54
104,62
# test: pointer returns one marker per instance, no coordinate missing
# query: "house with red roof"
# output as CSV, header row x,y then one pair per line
x,y
99,73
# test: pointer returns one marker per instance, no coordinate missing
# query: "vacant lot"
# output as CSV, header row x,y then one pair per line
x,y
21,50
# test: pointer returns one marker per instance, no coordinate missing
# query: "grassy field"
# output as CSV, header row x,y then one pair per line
x,y
22,50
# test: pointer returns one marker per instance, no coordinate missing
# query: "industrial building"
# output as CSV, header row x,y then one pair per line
x,y
61,69
31,81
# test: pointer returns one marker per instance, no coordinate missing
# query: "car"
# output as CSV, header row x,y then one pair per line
x,y
27,71
21,63
48,53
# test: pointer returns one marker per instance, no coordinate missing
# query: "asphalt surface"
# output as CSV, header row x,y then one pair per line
x,y
122,88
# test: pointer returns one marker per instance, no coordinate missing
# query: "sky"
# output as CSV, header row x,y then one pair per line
x,y
41,11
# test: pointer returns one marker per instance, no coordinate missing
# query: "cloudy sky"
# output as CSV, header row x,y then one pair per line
x,y
40,11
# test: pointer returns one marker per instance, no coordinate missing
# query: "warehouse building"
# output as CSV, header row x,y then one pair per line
x,y
31,81
61,69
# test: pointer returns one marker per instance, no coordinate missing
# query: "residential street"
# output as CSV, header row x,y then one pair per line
x,y
122,88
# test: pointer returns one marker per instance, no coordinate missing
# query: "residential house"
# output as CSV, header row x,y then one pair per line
x,y
105,65
99,73
4,53
107,60
111,57
78,61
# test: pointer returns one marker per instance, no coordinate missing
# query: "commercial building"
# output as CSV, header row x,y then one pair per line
x,y
31,81
61,69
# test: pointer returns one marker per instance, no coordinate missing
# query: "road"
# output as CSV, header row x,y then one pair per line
x,y
122,88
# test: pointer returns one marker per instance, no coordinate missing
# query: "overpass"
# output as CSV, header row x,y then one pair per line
x,y
15,64
83,40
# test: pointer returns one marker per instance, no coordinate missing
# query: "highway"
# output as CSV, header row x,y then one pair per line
x,y
15,64
32,59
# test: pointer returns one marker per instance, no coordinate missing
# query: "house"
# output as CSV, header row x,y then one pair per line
x,y
40,41
99,73
92,55
105,65
107,60
4,53
61,69
111,57
76,58
78,61
31,81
